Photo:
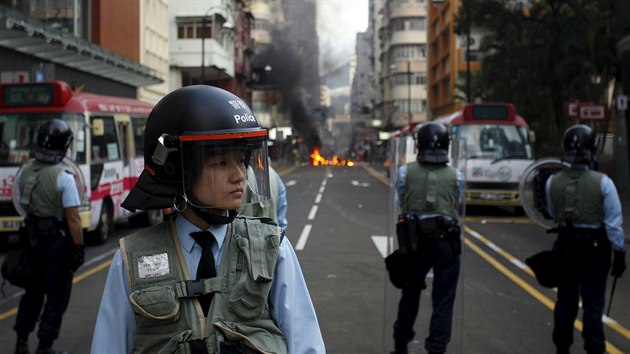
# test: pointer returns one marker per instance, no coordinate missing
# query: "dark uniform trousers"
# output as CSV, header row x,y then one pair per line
x,y
588,264
53,283
438,255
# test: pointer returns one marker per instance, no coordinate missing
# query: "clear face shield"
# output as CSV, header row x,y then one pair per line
x,y
225,174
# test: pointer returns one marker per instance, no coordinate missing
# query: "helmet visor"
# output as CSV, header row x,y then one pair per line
x,y
225,174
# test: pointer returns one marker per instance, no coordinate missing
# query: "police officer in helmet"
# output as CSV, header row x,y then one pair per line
x,y
52,231
585,205
429,193
207,280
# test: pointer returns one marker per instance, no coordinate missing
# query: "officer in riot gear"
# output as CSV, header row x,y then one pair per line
x,y
429,193
585,206
207,280
52,232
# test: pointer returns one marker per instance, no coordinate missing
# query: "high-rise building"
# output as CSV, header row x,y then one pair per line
x,y
210,44
403,59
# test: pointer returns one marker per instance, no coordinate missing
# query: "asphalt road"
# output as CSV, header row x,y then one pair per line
x,y
338,224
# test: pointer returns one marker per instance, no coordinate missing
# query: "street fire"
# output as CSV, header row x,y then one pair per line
x,y
317,159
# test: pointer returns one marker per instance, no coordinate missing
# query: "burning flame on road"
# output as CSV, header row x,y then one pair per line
x,y
317,159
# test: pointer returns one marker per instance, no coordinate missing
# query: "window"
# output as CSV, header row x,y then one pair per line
x,y
194,30
137,125
18,133
105,145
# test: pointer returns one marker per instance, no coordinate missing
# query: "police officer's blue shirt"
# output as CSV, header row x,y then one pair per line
x,y
612,212
292,308
68,189
282,205
400,186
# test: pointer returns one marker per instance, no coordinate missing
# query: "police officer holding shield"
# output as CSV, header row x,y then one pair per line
x,y
429,194
52,228
585,205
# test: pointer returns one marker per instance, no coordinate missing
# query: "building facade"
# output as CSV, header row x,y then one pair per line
x,y
74,41
449,67
403,59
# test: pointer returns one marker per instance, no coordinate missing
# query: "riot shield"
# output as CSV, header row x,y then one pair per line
x,y
399,149
532,189
403,151
68,165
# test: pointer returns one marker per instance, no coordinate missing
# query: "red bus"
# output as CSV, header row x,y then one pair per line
x,y
107,147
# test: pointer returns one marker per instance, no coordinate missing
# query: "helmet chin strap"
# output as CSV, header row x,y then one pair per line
x,y
214,219
211,218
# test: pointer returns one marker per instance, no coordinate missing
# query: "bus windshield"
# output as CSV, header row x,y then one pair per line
x,y
18,132
494,141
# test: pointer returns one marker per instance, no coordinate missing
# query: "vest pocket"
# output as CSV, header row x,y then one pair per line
x,y
254,273
254,337
156,303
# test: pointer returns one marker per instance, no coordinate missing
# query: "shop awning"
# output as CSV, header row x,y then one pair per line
x,y
31,36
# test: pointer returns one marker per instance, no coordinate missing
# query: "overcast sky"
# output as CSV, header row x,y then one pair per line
x,y
338,22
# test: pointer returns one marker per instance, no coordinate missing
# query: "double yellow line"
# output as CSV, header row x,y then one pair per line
x,y
550,304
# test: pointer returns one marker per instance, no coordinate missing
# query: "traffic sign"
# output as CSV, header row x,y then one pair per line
x,y
594,112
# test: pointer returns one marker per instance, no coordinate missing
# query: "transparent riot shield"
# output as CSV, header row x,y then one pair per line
x,y
403,151
532,189
459,159
400,148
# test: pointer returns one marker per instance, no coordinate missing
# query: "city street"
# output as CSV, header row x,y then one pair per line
x,y
338,224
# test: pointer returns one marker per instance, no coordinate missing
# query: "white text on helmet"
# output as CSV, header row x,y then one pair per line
x,y
244,118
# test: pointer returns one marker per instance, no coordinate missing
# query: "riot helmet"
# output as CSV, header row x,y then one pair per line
x,y
579,144
198,138
53,139
433,140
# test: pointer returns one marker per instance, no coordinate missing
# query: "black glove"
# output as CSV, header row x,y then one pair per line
x,y
77,257
619,264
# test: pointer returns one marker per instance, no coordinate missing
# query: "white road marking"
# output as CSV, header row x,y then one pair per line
x,y
311,215
290,183
381,244
360,184
318,198
303,237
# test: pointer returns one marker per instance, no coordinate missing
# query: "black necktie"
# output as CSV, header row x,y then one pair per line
x,y
206,269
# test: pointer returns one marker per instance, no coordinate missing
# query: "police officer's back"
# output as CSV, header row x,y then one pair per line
x,y
429,193
52,231
586,207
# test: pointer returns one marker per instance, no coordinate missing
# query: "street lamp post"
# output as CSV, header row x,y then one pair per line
x,y
204,22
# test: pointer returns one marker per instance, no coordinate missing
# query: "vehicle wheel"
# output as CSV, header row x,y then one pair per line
x,y
105,225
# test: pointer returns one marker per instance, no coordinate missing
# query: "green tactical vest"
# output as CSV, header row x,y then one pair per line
x,y
576,195
430,189
168,318
38,189
267,209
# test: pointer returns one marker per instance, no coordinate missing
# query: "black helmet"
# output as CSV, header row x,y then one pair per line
x,y
433,143
580,144
53,139
181,132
